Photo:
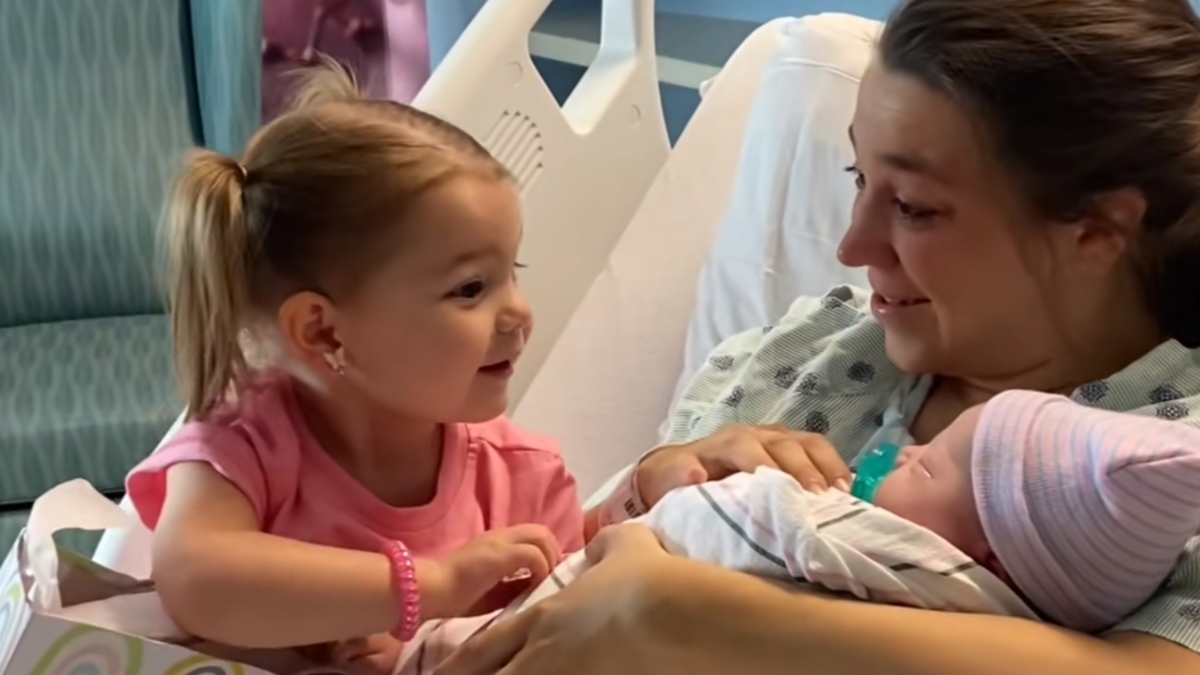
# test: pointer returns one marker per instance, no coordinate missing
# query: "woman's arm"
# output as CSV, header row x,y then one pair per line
x,y
672,616
764,629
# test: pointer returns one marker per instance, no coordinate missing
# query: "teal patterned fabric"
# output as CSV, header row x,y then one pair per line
x,y
98,100
82,399
226,47
93,116
96,108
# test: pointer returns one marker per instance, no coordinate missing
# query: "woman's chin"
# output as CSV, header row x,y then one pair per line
x,y
910,353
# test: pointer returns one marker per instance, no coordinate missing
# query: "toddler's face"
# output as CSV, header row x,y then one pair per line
x,y
931,486
435,332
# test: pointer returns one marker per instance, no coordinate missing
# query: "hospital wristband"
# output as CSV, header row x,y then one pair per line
x,y
404,585
624,503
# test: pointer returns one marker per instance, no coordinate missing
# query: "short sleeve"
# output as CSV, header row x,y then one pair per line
x,y
558,506
724,367
777,352
228,452
537,487
1174,613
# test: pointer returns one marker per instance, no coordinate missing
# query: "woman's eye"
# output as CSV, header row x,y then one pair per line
x,y
906,210
910,212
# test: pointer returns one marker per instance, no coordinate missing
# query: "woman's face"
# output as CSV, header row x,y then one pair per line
x,y
958,264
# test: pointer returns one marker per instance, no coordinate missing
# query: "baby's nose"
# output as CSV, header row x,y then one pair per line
x,y
907,454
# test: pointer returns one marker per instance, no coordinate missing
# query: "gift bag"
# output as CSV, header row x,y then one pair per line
x,y
62,614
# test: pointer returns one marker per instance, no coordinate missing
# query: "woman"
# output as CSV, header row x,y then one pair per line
x,y
1029,214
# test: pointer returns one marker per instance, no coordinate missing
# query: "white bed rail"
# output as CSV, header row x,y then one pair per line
x,y
606,386
583,168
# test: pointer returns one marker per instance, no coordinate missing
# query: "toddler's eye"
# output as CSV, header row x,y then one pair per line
x,y
860,180
470,290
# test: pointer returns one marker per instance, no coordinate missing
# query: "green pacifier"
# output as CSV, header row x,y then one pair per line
x,y
873,469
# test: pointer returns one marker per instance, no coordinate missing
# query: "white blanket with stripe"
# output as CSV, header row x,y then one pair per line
x,y
765,524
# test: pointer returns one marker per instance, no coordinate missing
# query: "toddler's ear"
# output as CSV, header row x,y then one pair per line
x,y
307,325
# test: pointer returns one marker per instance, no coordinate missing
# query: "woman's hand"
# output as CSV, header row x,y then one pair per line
x,y
592,627
808,457
488,572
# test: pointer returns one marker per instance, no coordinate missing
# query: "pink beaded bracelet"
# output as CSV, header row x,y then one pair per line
x,y
404,585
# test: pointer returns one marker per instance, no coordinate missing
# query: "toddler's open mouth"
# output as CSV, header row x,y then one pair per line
x,y
498,369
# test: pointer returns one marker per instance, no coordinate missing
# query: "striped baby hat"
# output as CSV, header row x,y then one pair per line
x,y
1087,510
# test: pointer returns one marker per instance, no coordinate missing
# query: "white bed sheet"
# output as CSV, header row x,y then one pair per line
x,y
792,197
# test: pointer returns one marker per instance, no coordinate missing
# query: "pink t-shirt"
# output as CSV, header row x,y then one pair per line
x,y
492,476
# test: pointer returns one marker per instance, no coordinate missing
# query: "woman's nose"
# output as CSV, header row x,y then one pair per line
x,y
867,242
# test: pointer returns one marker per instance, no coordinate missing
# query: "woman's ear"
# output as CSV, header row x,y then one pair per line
x,y
1113,221
307,321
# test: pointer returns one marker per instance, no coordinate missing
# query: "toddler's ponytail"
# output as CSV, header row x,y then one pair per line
x,y
210,249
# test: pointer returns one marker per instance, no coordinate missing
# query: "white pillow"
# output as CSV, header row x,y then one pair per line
x,y
791,200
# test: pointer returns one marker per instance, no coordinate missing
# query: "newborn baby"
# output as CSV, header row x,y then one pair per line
x,y
1084,512
1030,506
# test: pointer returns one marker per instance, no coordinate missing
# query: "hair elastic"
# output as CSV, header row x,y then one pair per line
x,y
404,586
873,469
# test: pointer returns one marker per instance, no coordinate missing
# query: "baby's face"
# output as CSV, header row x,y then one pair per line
x,y
931,486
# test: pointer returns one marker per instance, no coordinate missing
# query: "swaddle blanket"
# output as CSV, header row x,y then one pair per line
x,y
767,525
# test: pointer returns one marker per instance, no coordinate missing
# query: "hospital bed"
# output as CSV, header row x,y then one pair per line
x,y
642,260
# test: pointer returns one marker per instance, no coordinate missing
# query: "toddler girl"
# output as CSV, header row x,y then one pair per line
x,y
356,477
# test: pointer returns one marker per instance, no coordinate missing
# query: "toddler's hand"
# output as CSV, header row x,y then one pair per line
x,y
374,655
489,571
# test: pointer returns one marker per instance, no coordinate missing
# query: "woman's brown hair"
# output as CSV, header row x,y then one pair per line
x,y
1080,99
313,204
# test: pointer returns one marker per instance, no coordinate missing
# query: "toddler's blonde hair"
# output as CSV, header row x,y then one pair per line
x,y
313,205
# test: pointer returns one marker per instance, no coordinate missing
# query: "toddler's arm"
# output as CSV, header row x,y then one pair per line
x,y
224,580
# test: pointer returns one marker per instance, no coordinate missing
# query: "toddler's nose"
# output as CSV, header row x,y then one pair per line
x,y
517,316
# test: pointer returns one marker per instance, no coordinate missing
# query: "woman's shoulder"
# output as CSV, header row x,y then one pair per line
x,y
842,306
809,319
1164,383
1173,613
831,344
822,367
